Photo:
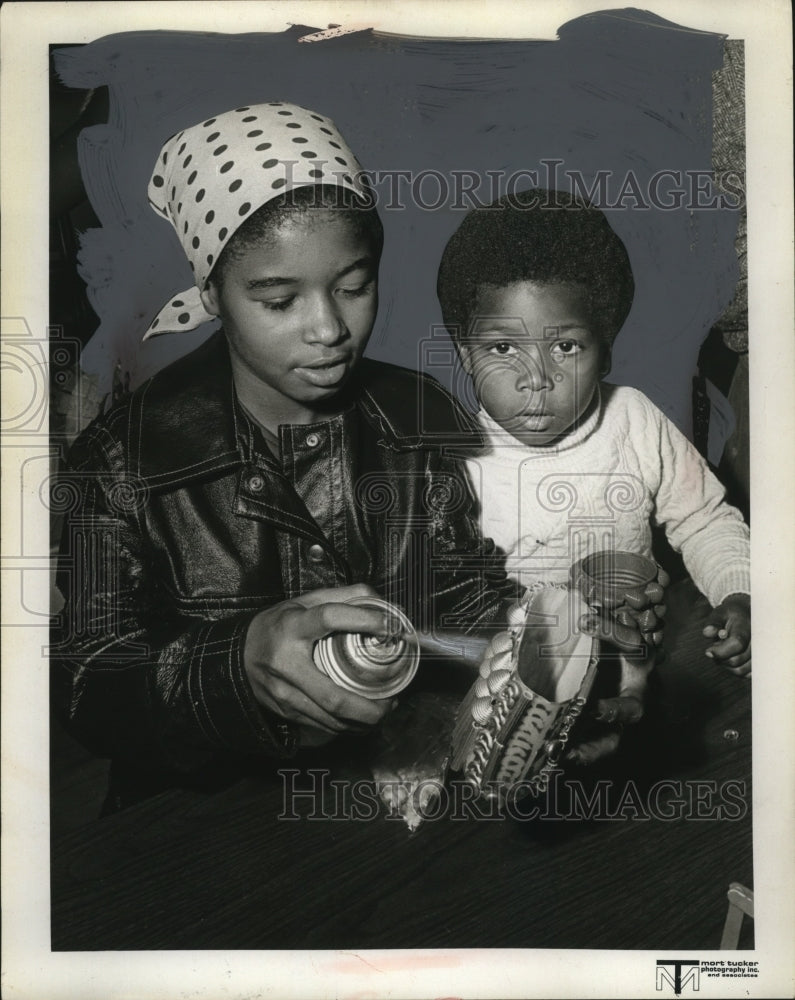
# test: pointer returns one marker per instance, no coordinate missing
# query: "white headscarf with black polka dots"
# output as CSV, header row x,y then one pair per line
x,y
210,178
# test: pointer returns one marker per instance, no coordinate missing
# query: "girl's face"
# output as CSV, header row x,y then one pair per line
x,y
534,359
297,311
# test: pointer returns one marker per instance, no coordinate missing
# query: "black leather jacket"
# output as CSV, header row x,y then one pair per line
x,y
180,526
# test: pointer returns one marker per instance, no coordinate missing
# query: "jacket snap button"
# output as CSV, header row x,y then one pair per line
x,y
312,440
256,484
316,553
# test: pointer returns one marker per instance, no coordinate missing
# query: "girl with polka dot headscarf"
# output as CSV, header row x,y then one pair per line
x,y
210,178
253,472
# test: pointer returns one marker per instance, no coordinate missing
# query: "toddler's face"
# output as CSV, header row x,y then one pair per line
x,y
297,311
534,359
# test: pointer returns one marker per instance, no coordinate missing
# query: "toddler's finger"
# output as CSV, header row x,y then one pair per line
x,y
740,660
624,709
654,592
726,648
627,638
662,577
594,750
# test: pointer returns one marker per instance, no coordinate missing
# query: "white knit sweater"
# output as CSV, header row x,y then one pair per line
x,y
602,487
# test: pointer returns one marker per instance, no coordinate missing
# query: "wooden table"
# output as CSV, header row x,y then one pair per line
x,y
189,870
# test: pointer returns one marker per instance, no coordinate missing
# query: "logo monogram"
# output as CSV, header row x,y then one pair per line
x,y
677,973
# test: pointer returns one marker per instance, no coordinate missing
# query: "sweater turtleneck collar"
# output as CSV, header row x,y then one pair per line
x,y
496,436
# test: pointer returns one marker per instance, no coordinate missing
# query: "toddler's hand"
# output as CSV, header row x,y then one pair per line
x,y
730,624
614,714
624,629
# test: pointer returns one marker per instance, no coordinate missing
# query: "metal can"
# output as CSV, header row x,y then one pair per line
x,y
366,664
614,578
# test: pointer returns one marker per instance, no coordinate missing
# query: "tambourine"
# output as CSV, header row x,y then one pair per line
x,y
515,722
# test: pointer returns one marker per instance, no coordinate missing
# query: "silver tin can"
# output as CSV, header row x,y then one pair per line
x,y
366,664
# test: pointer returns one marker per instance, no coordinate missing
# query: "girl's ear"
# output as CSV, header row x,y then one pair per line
x,y
607,361
211,299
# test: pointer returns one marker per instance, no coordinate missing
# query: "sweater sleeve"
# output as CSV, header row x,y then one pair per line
x,y
710,534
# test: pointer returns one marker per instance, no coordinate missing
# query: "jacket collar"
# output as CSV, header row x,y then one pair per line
x,y
186,421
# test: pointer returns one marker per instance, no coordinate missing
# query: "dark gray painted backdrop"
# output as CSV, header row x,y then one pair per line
x,y
618,91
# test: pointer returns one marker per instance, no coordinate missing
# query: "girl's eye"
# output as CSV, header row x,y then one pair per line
x,y
355,293
502,348
565,349
279,305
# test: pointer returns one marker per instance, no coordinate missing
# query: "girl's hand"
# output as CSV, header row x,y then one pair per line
x,y
283,676
730,624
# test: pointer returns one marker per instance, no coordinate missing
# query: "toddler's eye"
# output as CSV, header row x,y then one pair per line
x,y
565,349
502,348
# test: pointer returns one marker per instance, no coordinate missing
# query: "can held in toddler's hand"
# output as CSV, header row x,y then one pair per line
x,y
369,665
614,578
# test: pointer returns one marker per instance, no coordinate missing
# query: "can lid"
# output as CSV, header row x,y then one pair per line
x,y
370,665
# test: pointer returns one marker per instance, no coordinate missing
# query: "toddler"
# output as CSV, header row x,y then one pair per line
x,y
534,290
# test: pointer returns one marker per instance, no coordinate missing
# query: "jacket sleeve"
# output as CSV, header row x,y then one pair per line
x,y
469,588
711,534
126,680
